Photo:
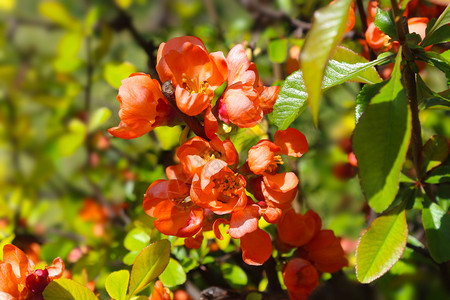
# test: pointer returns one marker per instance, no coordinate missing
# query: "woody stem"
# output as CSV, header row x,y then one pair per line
x,y
168,91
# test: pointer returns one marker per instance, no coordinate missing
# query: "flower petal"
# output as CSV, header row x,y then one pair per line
x,y
292,142
244,221
18,261
256,247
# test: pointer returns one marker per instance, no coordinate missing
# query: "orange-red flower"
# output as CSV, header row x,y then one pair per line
x,y
218,188
256,247
19,279
142,107
194,72
160,292
296,229
245,100
168,201
351,16
300,278
325,251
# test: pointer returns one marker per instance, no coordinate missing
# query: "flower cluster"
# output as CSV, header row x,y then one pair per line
x,y
207,189
195,75
318,250
20,280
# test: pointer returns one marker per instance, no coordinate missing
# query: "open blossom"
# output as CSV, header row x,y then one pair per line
x,y
194,72
296,229
20,280
169,202
142,107
245,99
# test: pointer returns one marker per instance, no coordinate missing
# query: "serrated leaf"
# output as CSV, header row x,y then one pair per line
x,y
363,99
380,142
436,60
328,27
381,246
114,73
384,20
57,12
62,289
291,101
436,222
173,275
98,118
278,50
117,284
434,152
438,175
149,264
443,20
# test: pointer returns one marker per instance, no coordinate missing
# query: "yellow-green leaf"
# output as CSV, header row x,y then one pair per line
x,y
117,284
56,12
67,289
114,73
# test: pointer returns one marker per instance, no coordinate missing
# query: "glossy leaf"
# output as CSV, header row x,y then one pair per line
x,y
67,289
149,264
380,142
363,99
436,222
278,50
328,27
234,275
434,152
384,20
443,20
117,284
436,60
291,101
136,239
381,246
173,275
439,175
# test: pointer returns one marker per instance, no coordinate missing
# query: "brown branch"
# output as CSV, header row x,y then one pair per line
x,y
168,91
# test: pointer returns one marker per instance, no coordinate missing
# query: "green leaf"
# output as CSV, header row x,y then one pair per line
x,y
62,289
384,20
434,152
443,20
328,27
149,264
438,175
380,142
124,4
436,60
68,143
363,99
117,284
442,35
278,50
168,137
436,222
114,73
57,13
291,101
234,275
136,239
98,118
173,275
382,245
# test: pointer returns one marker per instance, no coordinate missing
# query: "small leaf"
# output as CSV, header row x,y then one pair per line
x,y
380,142
384,20
278,50
438,175
57,13
114,73
136,239
326,32
149,264
443,20
437,60
436,222
381,246
117,284
98,118
234,275
434,152
62,289
173,275
168,137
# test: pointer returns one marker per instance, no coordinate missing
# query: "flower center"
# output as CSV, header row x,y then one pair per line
x,y
274,164
227,185
193,86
